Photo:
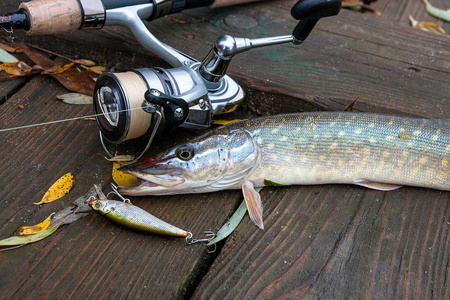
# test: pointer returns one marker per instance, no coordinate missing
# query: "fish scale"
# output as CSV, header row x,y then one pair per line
x,y
314,148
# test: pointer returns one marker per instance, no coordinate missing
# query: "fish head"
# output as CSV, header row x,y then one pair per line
x,y
212,162
100,206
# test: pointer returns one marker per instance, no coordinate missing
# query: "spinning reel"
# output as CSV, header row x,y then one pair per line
x,y
141,102
138,103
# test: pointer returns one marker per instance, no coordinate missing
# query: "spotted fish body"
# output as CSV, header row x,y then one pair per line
x,y
377,151
318,148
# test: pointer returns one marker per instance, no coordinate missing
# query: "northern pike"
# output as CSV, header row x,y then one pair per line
x,y
376,151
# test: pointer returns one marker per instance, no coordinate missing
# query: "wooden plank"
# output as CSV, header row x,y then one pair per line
x,y
393,67
91,257
337,242
400,11
330,241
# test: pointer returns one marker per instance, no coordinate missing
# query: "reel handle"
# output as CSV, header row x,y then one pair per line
x,y
309,12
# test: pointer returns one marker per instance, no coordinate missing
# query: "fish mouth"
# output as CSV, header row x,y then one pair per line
x,y
146,188
151,180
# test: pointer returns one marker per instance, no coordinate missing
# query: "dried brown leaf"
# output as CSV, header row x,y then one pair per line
x,y
77,80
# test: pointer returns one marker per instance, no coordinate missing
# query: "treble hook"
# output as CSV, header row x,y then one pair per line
x,y
209,236
114,191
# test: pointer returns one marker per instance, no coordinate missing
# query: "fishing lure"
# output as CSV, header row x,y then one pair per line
x,y
131,216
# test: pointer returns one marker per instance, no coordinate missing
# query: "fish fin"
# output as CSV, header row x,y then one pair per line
x,y
254,203
377,185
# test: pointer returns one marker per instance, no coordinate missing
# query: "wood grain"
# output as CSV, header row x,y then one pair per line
x,y
337,242
392,66
320,241
91,257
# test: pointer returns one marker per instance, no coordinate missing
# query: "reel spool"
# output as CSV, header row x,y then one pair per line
x,y
139,103
118,102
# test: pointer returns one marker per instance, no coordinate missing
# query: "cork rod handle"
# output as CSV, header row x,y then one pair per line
x,y
53,16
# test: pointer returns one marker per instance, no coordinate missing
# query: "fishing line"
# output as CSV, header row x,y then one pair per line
x,y
61,121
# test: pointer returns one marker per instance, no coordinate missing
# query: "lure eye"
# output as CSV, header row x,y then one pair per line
x,y
185,153
97,205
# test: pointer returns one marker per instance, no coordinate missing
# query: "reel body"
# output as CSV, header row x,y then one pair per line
x,y
124,111
141,102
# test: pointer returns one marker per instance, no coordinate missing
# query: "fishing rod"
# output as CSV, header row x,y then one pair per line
x,y
141,103
39,17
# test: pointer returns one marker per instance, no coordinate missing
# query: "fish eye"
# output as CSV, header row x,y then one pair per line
x,y
185,152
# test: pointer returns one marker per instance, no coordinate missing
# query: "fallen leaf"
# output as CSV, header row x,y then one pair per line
x,y
84,62
77,80
26,239
122,178
11,49
224,122
352,105
232,223
46,63
27,230
426,26
121,158
60,70
73,78
358,5
98,69
75,98
61,187
79,209
5,57
17,68
437,12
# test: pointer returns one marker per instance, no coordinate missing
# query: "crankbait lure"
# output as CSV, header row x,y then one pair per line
x,y
131,216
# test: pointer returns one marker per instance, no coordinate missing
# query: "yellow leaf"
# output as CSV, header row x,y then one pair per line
x,y
27,230
98,69
60,69
61,187
224,122
26,239
426,26
122,178
17,68
84,62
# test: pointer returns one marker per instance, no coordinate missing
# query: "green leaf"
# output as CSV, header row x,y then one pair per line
x,y
437,12
6,57
75,98
232,223
26,239
271,183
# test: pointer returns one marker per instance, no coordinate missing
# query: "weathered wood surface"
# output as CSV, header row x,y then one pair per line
x,y
320,241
